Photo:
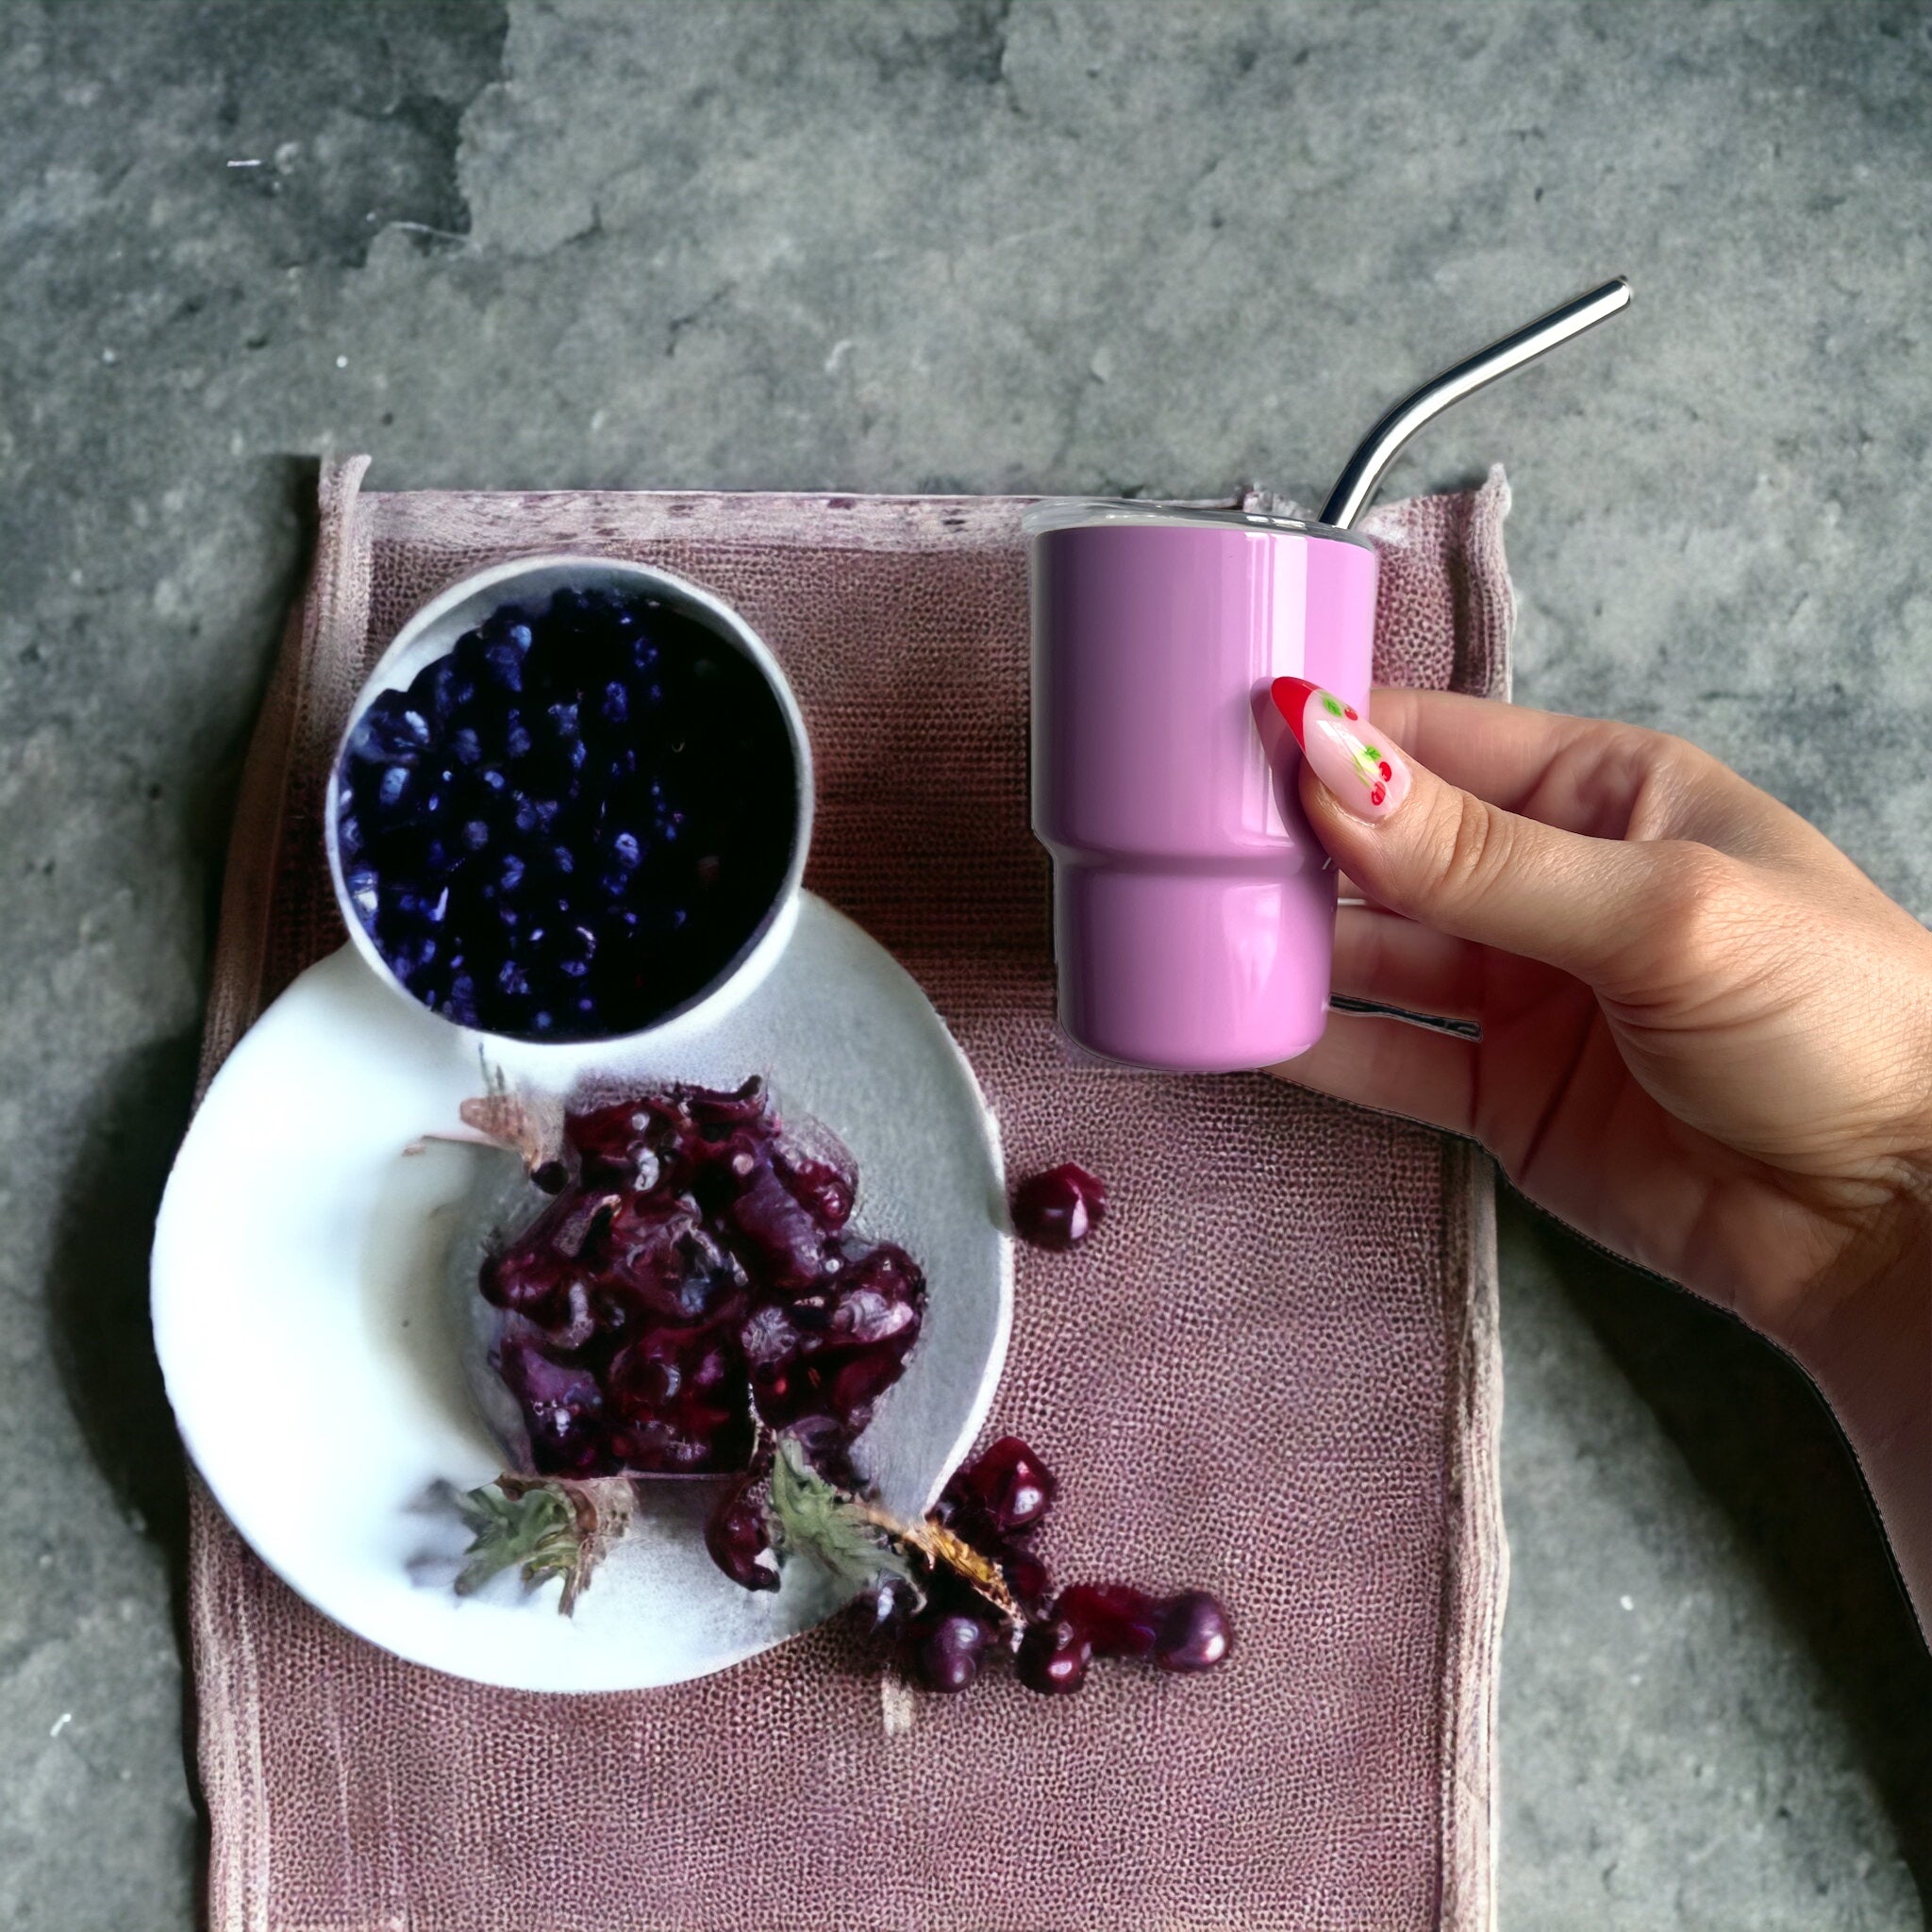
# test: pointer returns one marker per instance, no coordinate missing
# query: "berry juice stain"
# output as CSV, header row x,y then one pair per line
x,y
571,825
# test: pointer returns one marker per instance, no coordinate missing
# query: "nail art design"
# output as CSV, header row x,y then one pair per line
x,y
1368,778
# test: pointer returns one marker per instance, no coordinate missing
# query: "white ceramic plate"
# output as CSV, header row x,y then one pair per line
x,y
314,1352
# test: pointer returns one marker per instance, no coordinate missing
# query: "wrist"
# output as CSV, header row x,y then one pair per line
x,y
1872,1359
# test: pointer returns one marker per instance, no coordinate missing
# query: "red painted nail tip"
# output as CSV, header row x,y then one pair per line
x,y
1291,695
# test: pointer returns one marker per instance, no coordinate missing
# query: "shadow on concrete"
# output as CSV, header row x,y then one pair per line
x,y
98,1291
1761,1440
100,1336
97,1285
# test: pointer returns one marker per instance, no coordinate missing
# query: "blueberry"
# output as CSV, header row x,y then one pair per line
x,y
388,730
408,959
363,896
537,796
441,687
510,627
503,662
430,908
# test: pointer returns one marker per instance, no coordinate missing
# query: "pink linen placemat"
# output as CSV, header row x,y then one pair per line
x,y
1274,1376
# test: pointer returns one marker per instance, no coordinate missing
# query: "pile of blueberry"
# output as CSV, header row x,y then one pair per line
x,y
572,822
697,1258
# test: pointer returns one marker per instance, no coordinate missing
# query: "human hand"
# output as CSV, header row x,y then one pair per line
x,y
1706,1036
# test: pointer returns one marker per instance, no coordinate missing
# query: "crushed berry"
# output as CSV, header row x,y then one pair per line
x,y
1116,1620
1061,1207
572,822
684,1283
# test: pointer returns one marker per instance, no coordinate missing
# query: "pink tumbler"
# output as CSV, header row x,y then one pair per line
x,y
1194,910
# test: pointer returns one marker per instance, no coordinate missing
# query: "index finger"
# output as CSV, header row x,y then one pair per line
x,y
1580,774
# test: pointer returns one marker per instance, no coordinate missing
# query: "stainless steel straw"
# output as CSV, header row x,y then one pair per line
x,y
1357,484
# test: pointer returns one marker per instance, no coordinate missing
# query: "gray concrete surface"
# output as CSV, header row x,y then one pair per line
x,y
974,246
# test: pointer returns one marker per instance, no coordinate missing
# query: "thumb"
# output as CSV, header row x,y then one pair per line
x,y
1455,862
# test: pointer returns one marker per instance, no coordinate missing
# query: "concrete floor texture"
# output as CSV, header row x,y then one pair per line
x,y
1119,248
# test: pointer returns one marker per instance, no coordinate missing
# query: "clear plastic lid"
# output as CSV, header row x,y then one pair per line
x,y
1083,512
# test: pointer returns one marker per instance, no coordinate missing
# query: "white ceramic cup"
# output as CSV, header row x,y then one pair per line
x,y
431,633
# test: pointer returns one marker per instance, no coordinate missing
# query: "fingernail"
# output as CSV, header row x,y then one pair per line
x,y
1367,777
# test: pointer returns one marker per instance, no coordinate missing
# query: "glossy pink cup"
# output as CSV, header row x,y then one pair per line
x,y
1194,910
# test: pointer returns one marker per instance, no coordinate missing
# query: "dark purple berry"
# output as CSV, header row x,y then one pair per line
x,y
947,1650
738,1538
1009,1486
1195,1633
1053,1657
1061,1207
1116,1620
1026,1576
